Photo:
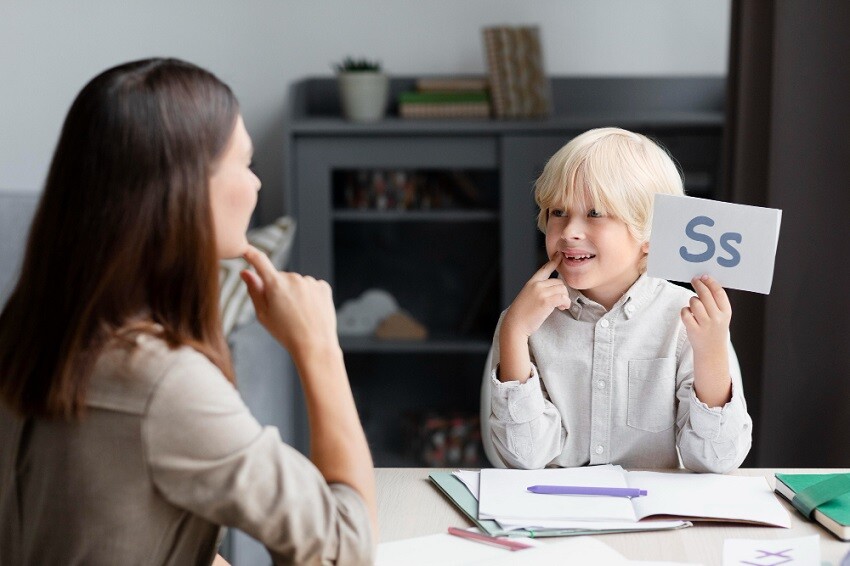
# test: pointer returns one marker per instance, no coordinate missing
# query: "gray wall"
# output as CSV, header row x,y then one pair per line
x,y
50,48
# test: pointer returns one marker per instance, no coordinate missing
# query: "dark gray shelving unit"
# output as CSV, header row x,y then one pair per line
x,y
456,267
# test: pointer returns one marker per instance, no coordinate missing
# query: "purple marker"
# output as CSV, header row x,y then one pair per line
x,y
586,490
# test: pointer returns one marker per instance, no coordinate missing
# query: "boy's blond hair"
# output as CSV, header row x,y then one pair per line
x,y
621,172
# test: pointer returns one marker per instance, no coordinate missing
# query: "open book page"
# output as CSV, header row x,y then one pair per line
x,y
707,496
504,496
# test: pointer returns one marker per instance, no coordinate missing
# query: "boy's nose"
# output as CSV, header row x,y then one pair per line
x,y
574,230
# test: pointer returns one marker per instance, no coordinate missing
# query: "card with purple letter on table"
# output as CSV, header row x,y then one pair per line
x,y
734,243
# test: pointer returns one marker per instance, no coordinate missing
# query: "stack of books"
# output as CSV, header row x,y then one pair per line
x,y
446,98
518,83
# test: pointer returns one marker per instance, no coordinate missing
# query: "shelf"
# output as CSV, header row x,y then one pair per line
x,y
415,215
368,344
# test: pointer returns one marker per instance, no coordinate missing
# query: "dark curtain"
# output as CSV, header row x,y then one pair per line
x,y
788,147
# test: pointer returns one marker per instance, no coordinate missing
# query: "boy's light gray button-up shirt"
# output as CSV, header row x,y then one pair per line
x,y
617,387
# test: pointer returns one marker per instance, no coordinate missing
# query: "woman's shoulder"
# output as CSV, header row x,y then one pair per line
x,y
128,374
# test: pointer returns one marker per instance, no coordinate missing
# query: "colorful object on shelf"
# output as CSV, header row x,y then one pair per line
x,y
445,440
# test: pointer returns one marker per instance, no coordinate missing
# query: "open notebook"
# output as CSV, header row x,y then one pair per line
x,y
464,494
503,497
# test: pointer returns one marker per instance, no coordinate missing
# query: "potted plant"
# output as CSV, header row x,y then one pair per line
x,y
362,89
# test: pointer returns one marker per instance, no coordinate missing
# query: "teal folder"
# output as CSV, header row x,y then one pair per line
x,y
458,494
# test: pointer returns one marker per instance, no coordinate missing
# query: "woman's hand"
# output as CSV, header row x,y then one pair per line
x,y
297,310
707,319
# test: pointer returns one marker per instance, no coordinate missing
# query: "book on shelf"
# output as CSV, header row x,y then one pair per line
x,y
451,84
444,104
444,110
457,97
519,86
824,498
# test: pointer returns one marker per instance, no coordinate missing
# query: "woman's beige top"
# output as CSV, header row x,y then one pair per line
x,y
167,453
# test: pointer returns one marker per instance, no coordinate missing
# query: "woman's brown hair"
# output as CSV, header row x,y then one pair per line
x,y
123,234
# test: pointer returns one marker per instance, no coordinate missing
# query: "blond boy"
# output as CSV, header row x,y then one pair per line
x,y
605,364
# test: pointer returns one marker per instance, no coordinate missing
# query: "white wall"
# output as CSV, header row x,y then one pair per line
x,y
50,48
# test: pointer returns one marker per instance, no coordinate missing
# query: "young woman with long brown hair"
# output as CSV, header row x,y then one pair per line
x,y
122,437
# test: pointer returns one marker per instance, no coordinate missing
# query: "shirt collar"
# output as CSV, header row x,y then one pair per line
x,y
630,303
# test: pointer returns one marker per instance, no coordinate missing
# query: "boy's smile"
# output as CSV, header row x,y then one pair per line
x,y
575,257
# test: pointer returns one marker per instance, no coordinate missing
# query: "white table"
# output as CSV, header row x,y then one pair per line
x,y
410,506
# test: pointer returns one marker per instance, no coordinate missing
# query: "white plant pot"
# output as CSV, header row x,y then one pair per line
x,y
363,95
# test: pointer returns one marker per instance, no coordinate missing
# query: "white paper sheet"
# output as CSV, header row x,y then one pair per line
x,y
734,243
800,551
448,550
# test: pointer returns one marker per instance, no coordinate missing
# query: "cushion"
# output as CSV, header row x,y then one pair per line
x,y
275,240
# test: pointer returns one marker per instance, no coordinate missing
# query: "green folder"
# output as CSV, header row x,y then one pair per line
x,y
824,498
458,494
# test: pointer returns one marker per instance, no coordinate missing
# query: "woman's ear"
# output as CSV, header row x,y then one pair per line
x,y
644,247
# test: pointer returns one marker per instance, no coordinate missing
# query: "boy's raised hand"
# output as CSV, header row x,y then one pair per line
x,y
707,317
536,301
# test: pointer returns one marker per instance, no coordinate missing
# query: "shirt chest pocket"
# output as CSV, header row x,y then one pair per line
x,y
652,394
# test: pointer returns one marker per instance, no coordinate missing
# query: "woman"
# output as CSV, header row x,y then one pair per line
x,y
122,437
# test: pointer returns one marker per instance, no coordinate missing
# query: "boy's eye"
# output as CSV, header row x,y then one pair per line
x,y
592,213
557,212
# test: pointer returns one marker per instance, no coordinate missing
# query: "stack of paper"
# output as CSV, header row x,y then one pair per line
x,y
504,497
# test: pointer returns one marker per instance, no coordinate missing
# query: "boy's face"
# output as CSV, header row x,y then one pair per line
x,y
599,256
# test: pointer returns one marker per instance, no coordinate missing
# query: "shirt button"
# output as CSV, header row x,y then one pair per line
x,y
630,308
599,449
600,384
604,323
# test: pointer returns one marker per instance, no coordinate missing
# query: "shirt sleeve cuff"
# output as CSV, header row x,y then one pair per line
x,y
515,402
718,424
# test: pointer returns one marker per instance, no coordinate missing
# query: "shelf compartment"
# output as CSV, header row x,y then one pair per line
x,y
445,275
415,215
391,388
387,190
436,345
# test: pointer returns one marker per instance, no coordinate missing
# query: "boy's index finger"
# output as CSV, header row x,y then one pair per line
x,y
261,263
546,270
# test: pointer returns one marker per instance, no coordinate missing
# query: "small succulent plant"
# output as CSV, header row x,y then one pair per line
x,y
352,65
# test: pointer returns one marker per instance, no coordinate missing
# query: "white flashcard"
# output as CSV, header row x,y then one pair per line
x,y
802,551
733,243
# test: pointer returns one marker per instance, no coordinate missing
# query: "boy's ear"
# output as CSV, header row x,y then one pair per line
x,y
644,247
